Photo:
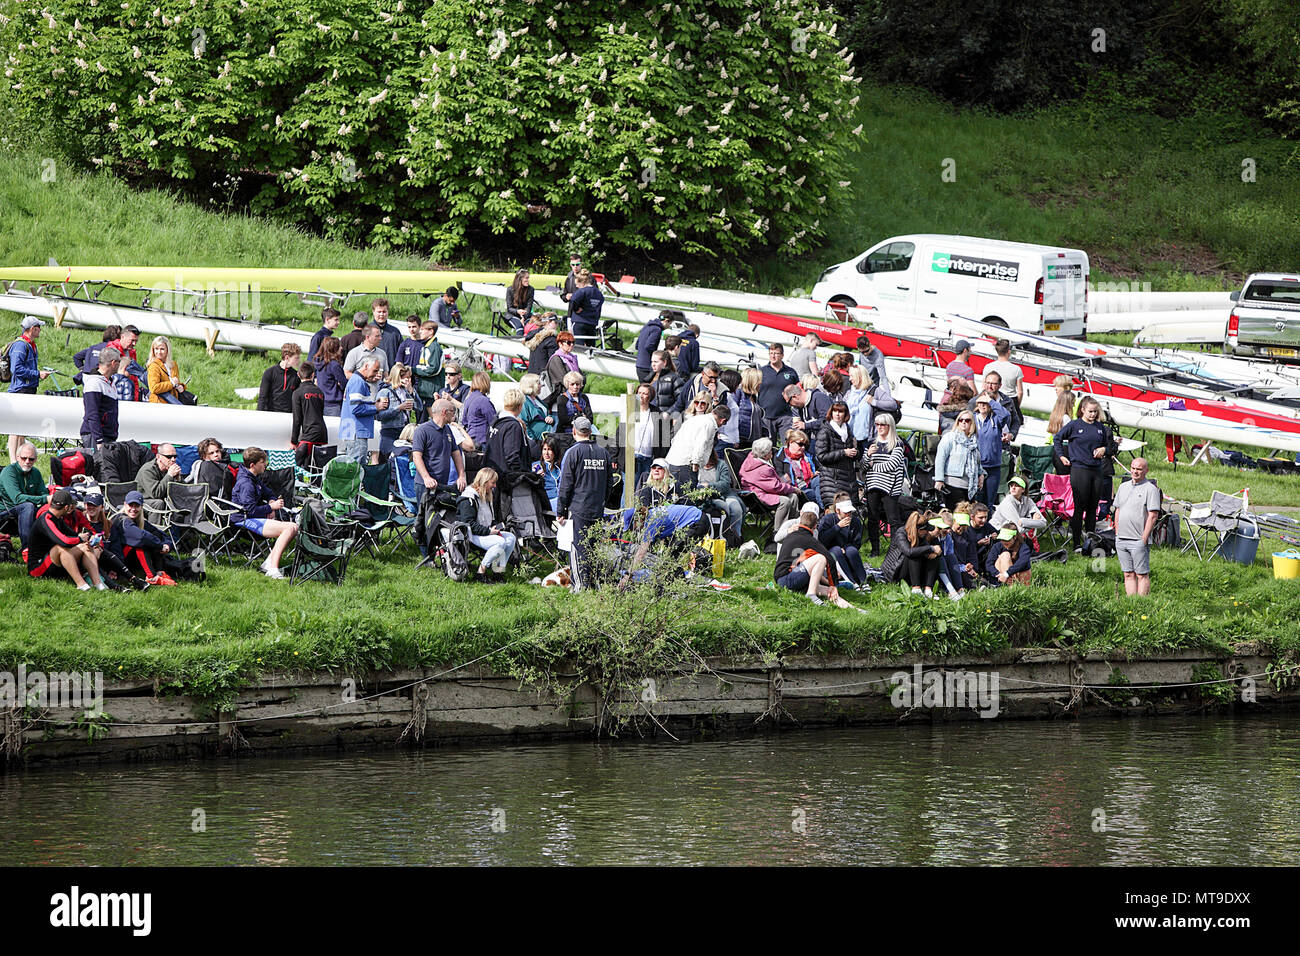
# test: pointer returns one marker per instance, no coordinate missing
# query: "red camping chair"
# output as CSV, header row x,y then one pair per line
x,y
1057,505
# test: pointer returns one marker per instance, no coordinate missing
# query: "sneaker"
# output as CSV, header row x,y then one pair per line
x,y
162,580
816,600
101,586
140,584
83,586
916,591
270,572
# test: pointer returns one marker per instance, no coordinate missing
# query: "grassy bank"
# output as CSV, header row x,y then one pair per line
x,y
208,638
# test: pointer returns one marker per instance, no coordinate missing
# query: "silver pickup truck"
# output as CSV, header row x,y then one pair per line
x,y
1265,318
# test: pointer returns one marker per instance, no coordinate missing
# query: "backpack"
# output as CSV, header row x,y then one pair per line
x,y
6,368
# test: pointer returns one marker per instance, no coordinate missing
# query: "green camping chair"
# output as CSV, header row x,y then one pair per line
x,y
340,488
1035,461
319,554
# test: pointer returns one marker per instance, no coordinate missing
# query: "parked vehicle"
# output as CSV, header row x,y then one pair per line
x,y
1014,285
1265,319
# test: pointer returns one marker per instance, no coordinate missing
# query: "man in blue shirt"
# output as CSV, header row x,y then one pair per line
x,y
357,421
777,377
25,369
584,308
329,322
433,452
390,336
443,309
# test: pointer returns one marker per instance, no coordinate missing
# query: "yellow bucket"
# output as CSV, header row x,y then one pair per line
x,y
1286,564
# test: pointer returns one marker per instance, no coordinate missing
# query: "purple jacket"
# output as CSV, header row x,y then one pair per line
x,y
477,416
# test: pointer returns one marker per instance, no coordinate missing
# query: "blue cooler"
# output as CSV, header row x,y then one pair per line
x,y
1242,544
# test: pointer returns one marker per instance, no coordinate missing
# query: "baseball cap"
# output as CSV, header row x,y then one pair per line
x,y
1017,480
810,507
134,498
93,499
61,498
31,321
961,346
582,424
844,507
660,463
1006,534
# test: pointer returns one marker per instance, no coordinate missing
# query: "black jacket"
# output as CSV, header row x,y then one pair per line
x,y
585,474
309,415
508,450
647,341
838,471
541,348
666,389
278,386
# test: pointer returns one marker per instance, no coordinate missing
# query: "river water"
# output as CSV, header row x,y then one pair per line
x,y
1209,790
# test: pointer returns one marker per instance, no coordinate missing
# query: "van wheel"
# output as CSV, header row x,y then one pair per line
x,y
994,320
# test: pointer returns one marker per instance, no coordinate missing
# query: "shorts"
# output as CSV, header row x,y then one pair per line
x,y
48,569
255,525
795,580
1134,556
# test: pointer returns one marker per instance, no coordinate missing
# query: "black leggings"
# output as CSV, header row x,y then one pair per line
x,y
1086,485
952,497
921,572
881,505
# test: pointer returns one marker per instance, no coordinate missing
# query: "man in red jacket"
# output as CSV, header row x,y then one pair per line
x,y
57,549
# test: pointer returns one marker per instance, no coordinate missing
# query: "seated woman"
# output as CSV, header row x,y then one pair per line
x,y
403,401
921,554
259,511
1009,557
138,543
537,418
474,507
716,478
1018,508
572,404
658,514
950,569
548,466
209,450
56,549
840,529
797,464
804,565
758,475
164,375
96,523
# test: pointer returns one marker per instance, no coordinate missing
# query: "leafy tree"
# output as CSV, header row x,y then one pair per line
x,y
701,127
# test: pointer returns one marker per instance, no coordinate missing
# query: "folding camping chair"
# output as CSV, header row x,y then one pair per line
x,y
1057,506
1035,463
188,506
387,516
115,493
1215,521
319,554
529,517
340,488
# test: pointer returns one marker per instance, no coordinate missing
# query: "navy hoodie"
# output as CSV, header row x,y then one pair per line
x,y
585,474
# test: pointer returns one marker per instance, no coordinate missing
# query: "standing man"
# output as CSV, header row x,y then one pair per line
x,y
433,452
585,474
708,381
688,357
429,380
1013,376
958,367
1136,508
357,421
100,401
872,359
409,351
993,388
371,347
329,322
354,338
308,416
777,377
571,280
25,369
647,343
130,367
280,381
390,336
22,491
443,309
585,306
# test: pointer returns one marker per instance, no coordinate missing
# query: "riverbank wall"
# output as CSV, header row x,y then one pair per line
x,y
327,712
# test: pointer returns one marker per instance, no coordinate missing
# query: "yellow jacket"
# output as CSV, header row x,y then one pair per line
x,y
160,382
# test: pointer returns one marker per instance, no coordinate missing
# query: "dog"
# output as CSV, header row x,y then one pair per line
x,y
559,578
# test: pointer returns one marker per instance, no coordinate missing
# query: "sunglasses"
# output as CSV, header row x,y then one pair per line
x,y
801,444
26,458
161,455
965,421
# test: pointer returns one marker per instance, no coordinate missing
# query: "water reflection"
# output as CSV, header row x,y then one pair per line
x,y
1197,791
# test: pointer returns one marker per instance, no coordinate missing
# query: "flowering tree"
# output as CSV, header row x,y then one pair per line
x,y
705,127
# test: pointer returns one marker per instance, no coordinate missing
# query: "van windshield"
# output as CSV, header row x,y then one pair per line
x,y
895,257
1283,293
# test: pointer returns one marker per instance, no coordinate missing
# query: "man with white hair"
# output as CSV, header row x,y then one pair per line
x,y
357,421
757,474
22,491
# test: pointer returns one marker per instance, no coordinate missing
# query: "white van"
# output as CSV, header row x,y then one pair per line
x,y
1015,285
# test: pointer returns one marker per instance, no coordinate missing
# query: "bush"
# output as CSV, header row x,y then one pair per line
x,y
706,128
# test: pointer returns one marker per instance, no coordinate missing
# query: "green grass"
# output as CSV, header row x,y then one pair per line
x,y
208,638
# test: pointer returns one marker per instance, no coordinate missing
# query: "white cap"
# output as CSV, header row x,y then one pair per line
x,y
845,506
31,322
810,507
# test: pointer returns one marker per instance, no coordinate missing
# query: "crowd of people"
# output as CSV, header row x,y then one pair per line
x,y
814,447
